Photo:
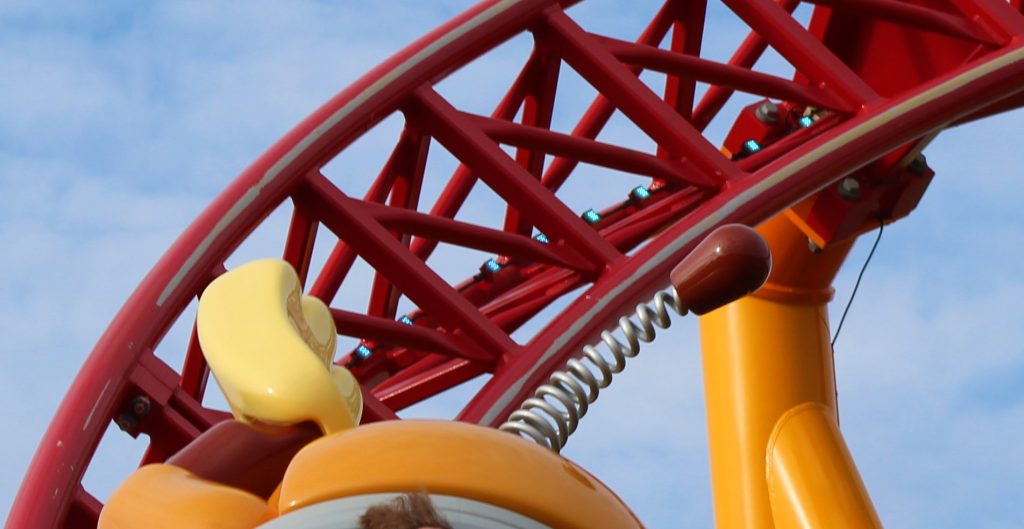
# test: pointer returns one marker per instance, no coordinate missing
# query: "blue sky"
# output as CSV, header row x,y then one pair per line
x,y
119,123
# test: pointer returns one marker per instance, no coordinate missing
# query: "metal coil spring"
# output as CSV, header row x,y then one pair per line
x,y
578,386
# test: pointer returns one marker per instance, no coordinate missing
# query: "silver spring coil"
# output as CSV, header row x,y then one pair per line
x,y
572,390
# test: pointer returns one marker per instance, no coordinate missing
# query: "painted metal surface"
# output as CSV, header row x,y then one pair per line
x,y
761,357
453,459
812,479
167,497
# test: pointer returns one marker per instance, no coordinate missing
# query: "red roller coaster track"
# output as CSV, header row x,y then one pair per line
x,y
850,72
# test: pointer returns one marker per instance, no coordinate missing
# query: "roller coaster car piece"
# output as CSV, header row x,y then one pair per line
x,y
479,477
528,486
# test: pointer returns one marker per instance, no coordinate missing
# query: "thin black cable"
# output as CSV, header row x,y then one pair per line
x,y
881,226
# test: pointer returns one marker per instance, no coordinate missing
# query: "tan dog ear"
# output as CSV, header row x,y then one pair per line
x,y
271,349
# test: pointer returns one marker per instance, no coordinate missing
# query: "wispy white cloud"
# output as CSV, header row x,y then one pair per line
x,y
118,125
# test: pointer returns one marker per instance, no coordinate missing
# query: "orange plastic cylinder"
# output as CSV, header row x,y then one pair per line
x,y
812,480
454,459
763,355
167,497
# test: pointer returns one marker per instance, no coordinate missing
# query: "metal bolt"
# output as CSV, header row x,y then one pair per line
x,y
768,112
849,189
126,421
141,406
919,165
130,415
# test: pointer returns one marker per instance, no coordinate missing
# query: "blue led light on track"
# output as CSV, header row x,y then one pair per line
x,y
751,146
805,121
363,352
405,319
541,238
640,193
491,266
591,216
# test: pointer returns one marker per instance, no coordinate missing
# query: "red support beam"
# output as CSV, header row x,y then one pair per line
x,y
601,109
538,106
337,267
723,75
418,282
621,86
435,116
772,152
637,227
749,51
594,152
84,512
915,16
374,410
429,383
463,180
298,246
472,236
342,256
408,171
413,369
803,50
393,333
1002,19
195,372
517,307
687,37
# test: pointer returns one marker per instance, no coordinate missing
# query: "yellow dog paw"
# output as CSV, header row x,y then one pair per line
x,y
271,349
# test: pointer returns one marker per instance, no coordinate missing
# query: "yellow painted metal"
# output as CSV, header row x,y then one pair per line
x,y
763,355
812,480
456,459
167,497
271,349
